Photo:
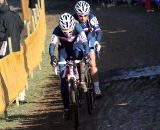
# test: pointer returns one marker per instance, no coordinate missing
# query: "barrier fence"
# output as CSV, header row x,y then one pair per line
x,y
26,13
17,66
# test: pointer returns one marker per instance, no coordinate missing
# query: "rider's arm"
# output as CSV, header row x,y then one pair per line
x,y
82,37
52,45
53,41
96,28
84,40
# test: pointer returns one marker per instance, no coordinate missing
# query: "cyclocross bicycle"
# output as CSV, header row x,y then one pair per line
x,y
74,89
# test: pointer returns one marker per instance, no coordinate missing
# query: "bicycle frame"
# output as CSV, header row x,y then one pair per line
x,y
72,75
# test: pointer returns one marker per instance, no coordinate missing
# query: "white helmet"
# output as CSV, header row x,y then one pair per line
x,y
66,21
82,8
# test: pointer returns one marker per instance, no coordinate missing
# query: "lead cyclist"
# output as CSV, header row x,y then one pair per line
x,y
91,27
72,42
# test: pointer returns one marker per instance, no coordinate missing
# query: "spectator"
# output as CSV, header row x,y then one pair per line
x,y
11,25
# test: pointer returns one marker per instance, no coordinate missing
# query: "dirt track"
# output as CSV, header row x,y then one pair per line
x,y
131,40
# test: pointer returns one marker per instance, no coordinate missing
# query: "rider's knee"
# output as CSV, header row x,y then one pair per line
x,y
93,67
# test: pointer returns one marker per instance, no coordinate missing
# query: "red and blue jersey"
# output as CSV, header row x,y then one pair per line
x,y
92,25
58,37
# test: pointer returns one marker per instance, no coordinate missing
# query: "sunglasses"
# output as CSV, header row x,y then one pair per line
x,y
82,16
67,32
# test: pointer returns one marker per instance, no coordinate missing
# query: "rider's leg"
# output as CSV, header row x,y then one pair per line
x,y
94,73
78,54
82,75
94,69
65,93
64,84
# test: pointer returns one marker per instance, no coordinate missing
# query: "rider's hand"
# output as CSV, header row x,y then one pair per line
x,y
97,46
53,61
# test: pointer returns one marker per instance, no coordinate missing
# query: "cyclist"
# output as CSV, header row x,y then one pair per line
x,y
90,25
72,42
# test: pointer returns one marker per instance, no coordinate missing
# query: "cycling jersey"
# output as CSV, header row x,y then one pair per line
x,y
78,36
91,25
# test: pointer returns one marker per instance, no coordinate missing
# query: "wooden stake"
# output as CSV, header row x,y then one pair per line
x,y
10,44
35,19
42,4
17,101
28,28
38,10
27,87
33,23
39,1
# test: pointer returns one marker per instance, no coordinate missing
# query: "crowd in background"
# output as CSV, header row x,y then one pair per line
x,y
150,5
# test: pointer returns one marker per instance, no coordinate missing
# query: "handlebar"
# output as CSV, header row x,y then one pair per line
x,y
70,62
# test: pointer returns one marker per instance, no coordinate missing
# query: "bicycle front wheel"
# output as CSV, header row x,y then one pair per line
x,y
75,108
89,94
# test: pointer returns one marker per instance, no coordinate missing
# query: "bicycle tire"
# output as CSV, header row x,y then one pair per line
x,y
89,94
75,108
70,104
